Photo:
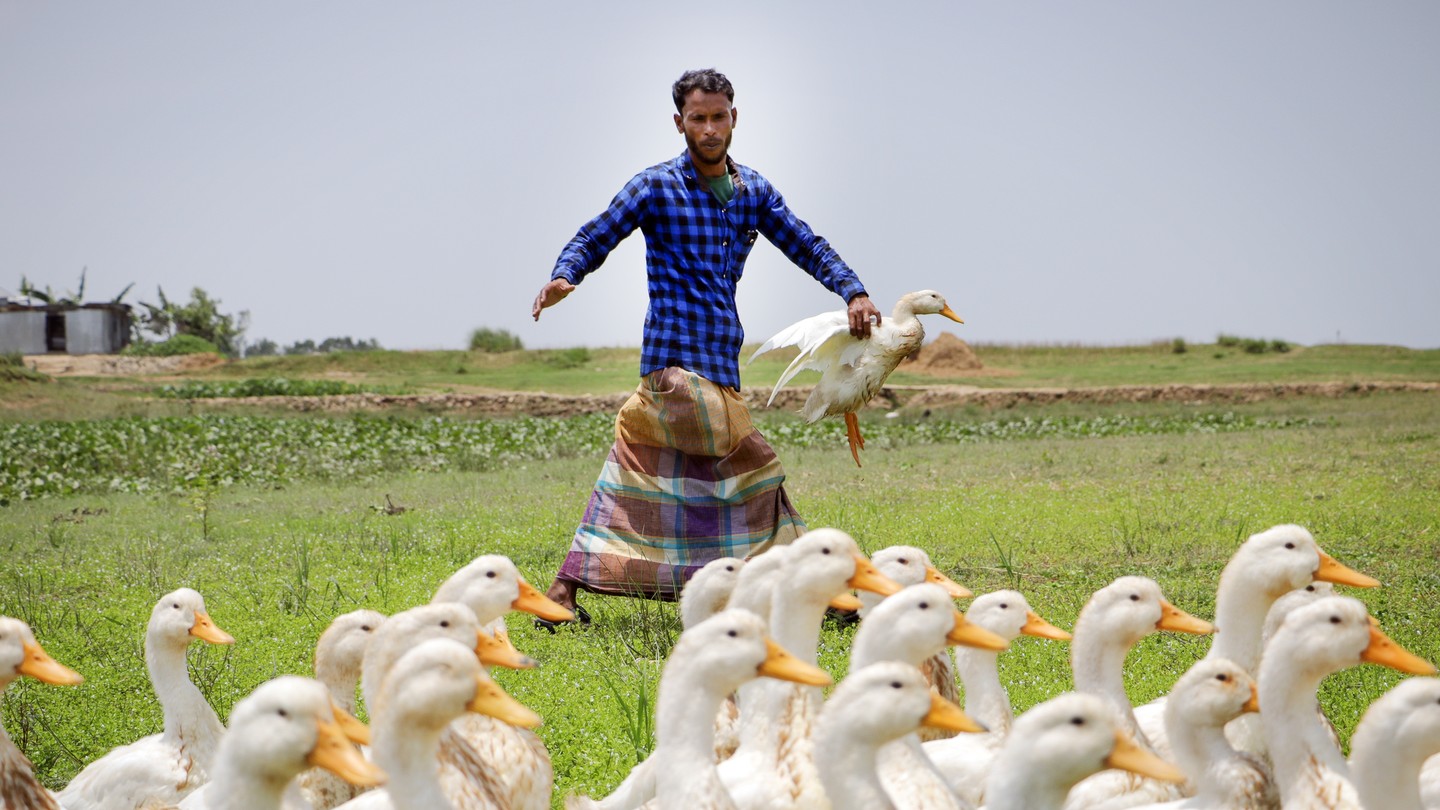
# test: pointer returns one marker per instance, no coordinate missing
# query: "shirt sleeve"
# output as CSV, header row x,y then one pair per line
x,y
596,238
809,251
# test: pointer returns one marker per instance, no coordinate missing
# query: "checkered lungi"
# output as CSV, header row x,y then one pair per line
x,y
688,480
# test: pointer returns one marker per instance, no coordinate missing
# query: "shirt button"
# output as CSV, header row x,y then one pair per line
x,y
725,243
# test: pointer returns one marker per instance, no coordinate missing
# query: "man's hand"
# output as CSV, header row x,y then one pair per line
x,y
553,292
861,314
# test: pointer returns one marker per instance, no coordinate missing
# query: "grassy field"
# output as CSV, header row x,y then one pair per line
x,y
1054,514
607,371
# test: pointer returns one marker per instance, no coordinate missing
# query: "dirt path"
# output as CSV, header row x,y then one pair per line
x,y
907,397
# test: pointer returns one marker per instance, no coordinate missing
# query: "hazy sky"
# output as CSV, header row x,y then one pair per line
x,y
1101,172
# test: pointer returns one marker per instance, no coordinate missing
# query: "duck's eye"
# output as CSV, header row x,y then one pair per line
x,y
1310,587
1334,619
1290,545
1134,597
894,684
490,574
445,623
924,605
365,627
282,712
175,605
733,634
824,551
729,568
1077,721
903,561
1222,677
1004,606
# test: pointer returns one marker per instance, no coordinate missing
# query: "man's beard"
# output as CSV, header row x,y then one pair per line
x,y
700,156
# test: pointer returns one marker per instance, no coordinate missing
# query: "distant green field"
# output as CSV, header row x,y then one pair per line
x,y
609,371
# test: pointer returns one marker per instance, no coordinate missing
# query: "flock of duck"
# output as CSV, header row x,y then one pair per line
x,y
741,718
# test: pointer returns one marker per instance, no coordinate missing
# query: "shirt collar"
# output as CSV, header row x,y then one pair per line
x,y
687,168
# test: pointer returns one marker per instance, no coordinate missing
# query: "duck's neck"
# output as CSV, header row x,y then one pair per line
x,y
1240,609
187,715
985,698
18,786
684,757
233,789
1015,784
408,753
341,683
1385,774
1299,746
1098,663
849,773
1197,749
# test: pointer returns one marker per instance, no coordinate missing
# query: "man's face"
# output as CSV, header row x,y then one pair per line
x,y
706,121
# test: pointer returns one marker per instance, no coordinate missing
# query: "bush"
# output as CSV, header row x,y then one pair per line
x,y
566,358
180,344
1227,340
264,347
1178,346
490,340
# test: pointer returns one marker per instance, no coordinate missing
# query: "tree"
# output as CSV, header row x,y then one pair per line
x,y
200,316
75,298
264,347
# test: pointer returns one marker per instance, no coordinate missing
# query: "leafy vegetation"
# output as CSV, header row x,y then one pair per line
x,y
174,454
267,387
490,340
199,317
177,345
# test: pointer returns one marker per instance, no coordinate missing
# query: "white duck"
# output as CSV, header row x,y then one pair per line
x,y
1058,743
514,757
1211,694
338,655
1263,569
774,768
965,760
1115,619
908,565
710,661
708,591
853,370
1398,732
910,627
286,725
870,710
1315,641
161,768
20,655
435,682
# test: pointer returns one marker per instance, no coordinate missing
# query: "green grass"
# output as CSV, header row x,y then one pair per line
x,y
1056,515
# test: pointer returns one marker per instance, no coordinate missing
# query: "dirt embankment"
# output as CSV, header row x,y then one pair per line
x,y
890,397
117,365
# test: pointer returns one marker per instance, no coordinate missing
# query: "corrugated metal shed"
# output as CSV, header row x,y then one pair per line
x,y
64,329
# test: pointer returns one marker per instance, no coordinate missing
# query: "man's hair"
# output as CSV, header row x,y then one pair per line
x,y
708,80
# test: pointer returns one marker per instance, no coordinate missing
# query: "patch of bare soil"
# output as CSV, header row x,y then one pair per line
x,y
944,356
103,365
917,397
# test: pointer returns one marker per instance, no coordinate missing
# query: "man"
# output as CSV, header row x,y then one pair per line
x,y
689,479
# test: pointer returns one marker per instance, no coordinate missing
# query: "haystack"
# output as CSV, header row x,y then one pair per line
x,y
945,354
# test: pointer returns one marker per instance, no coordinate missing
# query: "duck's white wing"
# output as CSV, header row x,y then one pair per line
x,y
824,341
147,770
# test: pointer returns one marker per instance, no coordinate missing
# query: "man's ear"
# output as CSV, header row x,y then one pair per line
x,y
734,116
679,124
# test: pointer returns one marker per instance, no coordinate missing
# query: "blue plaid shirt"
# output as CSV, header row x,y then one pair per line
x,y
695,253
